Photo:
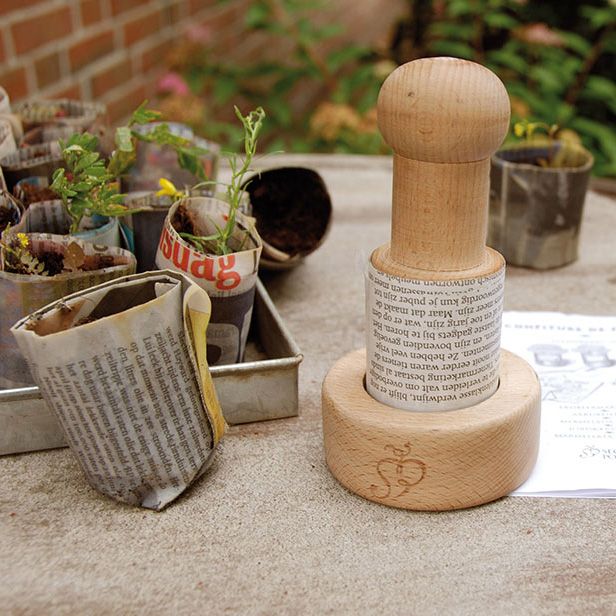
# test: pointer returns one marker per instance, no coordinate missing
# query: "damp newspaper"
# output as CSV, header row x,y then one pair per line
x,y
575,358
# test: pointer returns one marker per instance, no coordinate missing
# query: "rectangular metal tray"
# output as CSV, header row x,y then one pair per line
x,y
263,387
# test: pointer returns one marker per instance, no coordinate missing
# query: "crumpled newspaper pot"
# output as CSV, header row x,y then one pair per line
x,y
123,366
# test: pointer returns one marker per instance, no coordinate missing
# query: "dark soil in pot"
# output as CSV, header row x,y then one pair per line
x,y
8,216
33,194
292,208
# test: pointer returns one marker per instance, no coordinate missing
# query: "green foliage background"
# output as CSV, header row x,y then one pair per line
x,y
556,58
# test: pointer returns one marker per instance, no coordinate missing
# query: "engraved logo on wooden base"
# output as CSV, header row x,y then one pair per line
x,y
398,474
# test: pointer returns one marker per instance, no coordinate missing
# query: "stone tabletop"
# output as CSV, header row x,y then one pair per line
x,y
269,531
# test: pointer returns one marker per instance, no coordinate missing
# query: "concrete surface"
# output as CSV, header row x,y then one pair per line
x,y
269,531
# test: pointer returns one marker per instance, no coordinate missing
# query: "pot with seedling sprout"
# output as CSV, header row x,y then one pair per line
x,y
212,242
38,268
537,192
90,203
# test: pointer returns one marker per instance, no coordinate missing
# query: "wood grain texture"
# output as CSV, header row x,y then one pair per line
x,y
443,117
443,110
491,263
431,461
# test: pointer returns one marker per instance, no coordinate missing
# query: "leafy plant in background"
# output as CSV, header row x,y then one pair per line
x,y
560,74
87,184
346,78
558,66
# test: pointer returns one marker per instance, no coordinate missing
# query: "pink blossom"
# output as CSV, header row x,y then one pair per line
x,y
198,34
174,83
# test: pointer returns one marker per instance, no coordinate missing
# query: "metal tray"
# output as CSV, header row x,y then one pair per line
x,y
263,387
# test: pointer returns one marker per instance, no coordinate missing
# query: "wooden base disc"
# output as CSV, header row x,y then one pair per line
x,y
432,460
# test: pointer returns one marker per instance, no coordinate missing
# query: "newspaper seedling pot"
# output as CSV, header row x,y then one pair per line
x,y
11,210
51,217
293,211
7,139
41,159
78,115
229,280
123,367
536,212
46,134
21,294
155,161
34,189
142,230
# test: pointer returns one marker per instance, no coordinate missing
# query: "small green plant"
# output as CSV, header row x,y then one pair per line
x,y
88,184
560,142
16,256
219,243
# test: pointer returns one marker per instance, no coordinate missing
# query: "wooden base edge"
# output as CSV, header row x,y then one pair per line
x,y
432,461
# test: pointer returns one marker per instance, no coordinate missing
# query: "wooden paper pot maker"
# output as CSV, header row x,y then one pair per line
x,y
432,414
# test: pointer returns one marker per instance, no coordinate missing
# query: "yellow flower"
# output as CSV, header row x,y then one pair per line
x,y
167,189
23,239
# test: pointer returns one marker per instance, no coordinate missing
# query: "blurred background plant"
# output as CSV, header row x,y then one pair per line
x,y
557,59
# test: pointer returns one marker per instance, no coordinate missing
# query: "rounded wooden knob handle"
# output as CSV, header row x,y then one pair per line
x,y
443,110
443,117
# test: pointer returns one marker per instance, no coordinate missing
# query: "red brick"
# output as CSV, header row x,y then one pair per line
x,y
142,27
15,83
154,56
7,6
2,52
36,31
90,11
73,91
47,70
88,50
111,78
171,13
195,6
121,6
122,107
224,20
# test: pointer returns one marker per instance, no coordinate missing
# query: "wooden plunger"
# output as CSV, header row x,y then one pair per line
x,y
437,424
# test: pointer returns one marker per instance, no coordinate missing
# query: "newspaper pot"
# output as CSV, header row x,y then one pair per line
x,y
155,161
46,134
229,280
78,115
41,159
7,139
123,367
34,189
51,217
141,230
21,294
11,210
536,212
293,211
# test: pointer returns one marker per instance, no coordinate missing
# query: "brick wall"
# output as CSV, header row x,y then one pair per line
x,y
112,50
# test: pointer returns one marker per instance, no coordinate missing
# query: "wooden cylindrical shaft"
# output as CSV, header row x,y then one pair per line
x,y
439,214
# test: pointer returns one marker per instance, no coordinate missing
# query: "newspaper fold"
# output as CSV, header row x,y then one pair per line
x,y
21,294
229,280
123,366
